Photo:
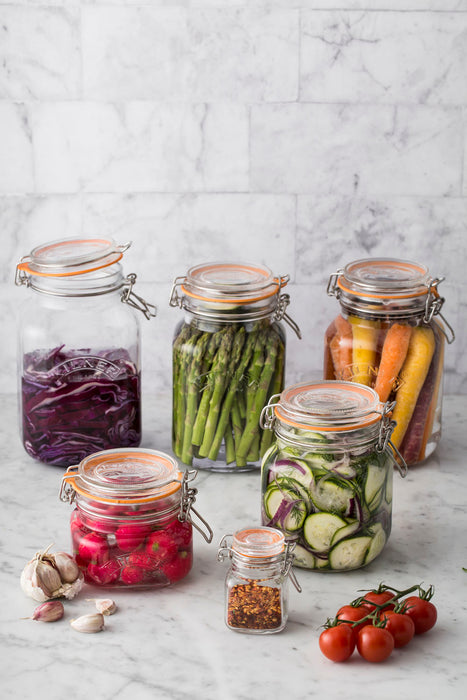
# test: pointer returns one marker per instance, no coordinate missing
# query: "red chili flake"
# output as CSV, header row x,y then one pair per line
x,y
253,606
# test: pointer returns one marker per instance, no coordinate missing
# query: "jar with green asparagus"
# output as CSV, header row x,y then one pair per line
x,y
228,358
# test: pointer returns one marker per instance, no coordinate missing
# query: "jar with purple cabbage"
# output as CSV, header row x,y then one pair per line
x,y
79,351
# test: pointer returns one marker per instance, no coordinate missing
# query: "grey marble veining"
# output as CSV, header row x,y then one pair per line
x,y
173,643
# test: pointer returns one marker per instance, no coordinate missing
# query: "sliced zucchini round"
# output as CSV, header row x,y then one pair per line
x,y
349,554
332,495
319,529
346,531
375,478
284,508
378,541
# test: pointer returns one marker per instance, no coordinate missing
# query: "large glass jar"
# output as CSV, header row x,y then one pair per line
x,y
228,357
131,526
388,335
326,482
256,584
79,351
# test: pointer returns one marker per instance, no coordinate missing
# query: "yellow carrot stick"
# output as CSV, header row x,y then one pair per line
x,y
365,339
413,375
393,354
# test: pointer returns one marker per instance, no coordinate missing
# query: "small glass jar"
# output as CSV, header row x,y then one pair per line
x,y
388,336
228,357
256,585
326,482
79,351
131,526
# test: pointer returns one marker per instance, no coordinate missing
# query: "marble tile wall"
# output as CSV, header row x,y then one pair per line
x,y
302,134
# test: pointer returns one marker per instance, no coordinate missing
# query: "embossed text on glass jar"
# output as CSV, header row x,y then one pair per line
x,y
79,351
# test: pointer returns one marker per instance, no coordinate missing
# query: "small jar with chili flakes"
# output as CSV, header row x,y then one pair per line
x,y
256,585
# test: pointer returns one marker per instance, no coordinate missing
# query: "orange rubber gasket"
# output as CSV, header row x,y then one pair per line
x,y
25,267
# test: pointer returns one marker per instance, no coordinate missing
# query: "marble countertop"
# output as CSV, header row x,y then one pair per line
x,y
173,643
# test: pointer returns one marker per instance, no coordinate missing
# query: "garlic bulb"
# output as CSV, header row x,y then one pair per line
x,y
49,576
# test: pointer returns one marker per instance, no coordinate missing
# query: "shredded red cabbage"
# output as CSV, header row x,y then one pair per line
x,y
77,402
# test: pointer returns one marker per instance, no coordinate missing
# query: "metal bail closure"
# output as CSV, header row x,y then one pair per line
x,y
67,492
186,506
136,302
433,306
384,439
175,298
266,418
282,304
332,289
287,568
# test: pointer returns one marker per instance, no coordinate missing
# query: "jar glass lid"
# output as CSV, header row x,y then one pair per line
x,y
72,256
384,278
126,476
227,282
258,542
329,405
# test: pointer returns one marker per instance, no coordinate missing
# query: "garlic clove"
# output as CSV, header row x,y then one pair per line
x,y
66,566
89,624
46,578
106,606
49,612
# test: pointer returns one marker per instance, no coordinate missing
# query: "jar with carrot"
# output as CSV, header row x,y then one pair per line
x,y
390,335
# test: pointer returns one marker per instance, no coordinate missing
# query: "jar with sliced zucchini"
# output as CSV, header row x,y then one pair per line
x,y
390,335
326,481
228,358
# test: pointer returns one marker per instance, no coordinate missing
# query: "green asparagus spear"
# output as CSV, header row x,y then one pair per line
x,y
219,369
254,370
177,407
184,359
277,384
229,445
192,396
259,399
207,389
237,422
239,362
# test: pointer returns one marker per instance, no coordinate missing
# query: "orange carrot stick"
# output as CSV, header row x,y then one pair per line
x,y
341,348
393,355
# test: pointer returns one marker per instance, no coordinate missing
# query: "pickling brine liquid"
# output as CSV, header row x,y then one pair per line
x,y
75,404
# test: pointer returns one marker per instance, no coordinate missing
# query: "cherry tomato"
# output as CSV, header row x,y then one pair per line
x,y
401,627
337,643
375,644
422,612
378,599
353,614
